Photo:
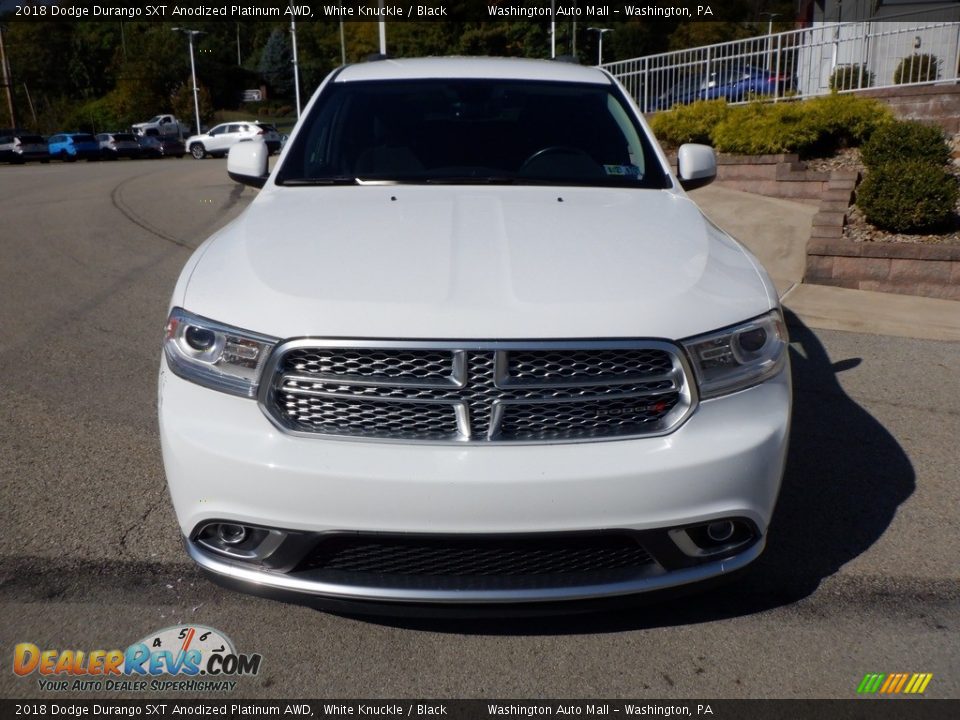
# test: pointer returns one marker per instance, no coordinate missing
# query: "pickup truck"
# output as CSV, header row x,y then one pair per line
x,y
165,125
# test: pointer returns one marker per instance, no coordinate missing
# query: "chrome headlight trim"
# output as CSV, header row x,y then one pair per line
x,y
232,362
734,358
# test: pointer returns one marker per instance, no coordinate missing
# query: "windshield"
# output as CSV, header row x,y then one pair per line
x,y
472,131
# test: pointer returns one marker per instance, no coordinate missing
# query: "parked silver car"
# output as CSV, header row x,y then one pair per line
x,y
218,141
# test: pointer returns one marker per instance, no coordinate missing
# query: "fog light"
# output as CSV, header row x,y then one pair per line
x,y
720,531
231,534
715,537
239,542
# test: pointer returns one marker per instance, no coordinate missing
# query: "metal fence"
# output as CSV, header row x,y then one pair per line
x,y
921,48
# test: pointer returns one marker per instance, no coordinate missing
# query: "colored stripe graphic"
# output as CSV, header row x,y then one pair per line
x,y
894,683
870,683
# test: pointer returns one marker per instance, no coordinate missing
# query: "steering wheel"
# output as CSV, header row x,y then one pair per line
x,y
555,150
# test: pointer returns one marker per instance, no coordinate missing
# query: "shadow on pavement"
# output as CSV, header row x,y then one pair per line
x,y
845,478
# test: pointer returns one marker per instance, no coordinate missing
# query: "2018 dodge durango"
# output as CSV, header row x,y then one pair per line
x,y
473,343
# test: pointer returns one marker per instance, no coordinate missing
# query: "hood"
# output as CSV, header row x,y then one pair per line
x,y
456,262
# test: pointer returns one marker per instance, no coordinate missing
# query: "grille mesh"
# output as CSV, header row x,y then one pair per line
x,y
524,395
588,364
481,557
370,362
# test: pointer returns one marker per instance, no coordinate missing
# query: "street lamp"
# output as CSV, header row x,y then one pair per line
x,y
600,32
193,71
296,67
771,16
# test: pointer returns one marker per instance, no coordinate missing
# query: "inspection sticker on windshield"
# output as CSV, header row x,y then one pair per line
x,y
622,170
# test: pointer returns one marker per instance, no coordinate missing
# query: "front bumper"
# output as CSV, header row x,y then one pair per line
x,y
225,461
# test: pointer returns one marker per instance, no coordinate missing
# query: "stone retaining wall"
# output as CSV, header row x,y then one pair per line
x,y
782,176
938,104
905,268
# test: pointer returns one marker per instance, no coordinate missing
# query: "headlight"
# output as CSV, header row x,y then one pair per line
x,y
735,358
214,355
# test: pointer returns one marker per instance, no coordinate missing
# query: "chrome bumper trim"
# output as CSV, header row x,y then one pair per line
x,y
278,581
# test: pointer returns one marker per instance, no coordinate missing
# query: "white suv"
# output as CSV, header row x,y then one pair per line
x,y
473,343
220,138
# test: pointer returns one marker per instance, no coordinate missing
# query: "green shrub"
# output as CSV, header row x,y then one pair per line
x,y
765,129
908,196
689,123
851,77
916,68
905,140
815,126
846,120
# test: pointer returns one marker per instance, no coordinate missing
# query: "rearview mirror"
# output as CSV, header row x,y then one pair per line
x,y
247,162
696,166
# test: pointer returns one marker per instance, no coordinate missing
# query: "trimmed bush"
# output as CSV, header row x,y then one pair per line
x,y
917,68
811,127
689,123
905,140
908,196
846,120
851,77
766,129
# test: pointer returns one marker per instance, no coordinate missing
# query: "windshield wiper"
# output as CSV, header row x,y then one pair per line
x,y
340,180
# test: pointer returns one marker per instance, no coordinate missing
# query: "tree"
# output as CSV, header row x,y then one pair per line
x,y
276,64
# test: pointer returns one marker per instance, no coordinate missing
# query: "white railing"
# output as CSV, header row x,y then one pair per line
x,y
921,48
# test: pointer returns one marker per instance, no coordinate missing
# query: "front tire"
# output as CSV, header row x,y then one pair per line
x,y
198,151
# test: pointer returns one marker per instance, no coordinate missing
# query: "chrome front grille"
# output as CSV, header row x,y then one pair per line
x,y
477,392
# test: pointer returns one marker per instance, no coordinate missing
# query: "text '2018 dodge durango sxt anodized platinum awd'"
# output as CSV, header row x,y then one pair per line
x,y
472,343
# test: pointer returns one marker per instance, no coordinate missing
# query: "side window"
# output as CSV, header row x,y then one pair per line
x,y
218,130
233,128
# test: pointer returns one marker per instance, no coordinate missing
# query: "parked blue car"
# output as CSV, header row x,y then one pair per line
x,y
733,84
71,146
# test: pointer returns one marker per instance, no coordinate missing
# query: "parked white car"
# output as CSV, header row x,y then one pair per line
x,y
473,343
218,141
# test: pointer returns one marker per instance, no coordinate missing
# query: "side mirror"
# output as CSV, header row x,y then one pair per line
x,y
247,163
696,166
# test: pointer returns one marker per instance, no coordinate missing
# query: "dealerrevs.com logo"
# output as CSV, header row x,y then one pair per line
x,y
200,658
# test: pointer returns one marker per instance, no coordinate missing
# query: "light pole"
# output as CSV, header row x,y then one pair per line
x,y
296,69
600,32
771,16
7,81
193,71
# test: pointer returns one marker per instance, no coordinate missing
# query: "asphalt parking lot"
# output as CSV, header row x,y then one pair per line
x,y
861,573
